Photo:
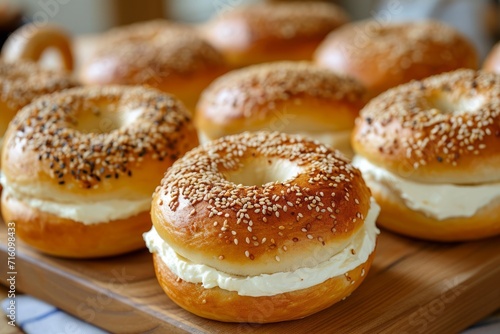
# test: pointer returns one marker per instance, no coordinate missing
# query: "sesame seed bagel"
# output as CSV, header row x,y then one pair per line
x,y
384,55
492,62
31,40
443,129
268,32
428,150
164,55
290,97
91,156
256,207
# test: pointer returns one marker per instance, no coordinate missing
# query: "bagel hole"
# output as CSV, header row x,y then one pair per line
x,y
105,119
52,59
447,104
258,172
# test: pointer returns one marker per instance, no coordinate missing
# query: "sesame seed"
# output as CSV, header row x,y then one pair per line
x,y
435,134
200,178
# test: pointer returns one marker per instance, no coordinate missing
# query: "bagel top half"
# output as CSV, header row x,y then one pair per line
x,y
443,129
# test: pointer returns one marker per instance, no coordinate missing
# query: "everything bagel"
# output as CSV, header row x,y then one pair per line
x,y
79,167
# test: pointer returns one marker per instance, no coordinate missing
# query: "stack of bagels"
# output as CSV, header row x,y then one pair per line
x,y
253,155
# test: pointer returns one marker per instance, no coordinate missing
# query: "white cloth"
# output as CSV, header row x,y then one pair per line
x,y
34,316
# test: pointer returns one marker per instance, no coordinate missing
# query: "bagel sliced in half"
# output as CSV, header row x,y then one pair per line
x,y
261,227
430,152
79,166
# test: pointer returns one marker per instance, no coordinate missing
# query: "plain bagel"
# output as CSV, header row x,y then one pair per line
x,y
29,42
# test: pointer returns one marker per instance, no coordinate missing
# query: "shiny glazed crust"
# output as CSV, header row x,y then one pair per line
x,y
443,129
57,236
228,306
382,56
397,217
269,32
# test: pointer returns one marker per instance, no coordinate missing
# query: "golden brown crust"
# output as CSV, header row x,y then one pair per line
x,y
44,144
492,62
397,217
228,306
31,40
66,238
443,129
254,229
269,32
292,96
382,56
160,54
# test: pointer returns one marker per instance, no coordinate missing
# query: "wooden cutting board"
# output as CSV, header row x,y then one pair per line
x,y
413,287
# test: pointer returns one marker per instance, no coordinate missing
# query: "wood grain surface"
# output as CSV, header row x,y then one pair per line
x,y
413,287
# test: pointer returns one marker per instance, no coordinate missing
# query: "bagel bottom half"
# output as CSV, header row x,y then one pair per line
x,y
58,236
397,217
223,305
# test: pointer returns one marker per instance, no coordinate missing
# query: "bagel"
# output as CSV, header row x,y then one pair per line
x,y
290,97
266,32
81,165
160,54
261,218
31,40
382,56
429,152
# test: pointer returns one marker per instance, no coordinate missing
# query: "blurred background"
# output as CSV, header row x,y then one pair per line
x,y
479,19
90,16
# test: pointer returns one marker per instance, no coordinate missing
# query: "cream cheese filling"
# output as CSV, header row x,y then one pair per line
x,y
271,284
84,211
440,201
